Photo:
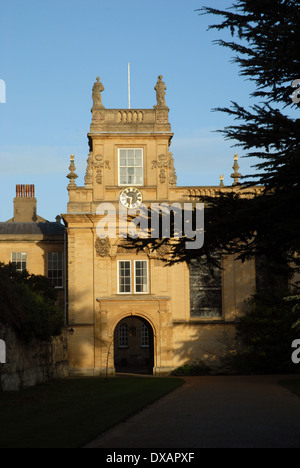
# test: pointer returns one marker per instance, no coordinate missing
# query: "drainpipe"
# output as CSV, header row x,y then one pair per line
x,y
66,274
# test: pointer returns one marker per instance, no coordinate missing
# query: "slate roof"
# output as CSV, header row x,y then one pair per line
x,y
46,229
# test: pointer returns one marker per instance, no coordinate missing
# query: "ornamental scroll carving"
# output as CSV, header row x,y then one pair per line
x,y
95,162
165,161
103,246
162,176
89,170
100,165
172,173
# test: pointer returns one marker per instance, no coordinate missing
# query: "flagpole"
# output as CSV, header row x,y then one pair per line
x,y
128,85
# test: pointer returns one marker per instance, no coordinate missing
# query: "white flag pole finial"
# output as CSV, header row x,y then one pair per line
x,y
128,85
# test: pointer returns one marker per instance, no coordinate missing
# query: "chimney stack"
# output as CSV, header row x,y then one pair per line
x,y
25,204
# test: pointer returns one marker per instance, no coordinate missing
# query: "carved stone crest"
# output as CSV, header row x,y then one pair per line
x,y
162,161
103,246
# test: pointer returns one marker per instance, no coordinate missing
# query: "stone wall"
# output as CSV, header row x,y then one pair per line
x,y
29,364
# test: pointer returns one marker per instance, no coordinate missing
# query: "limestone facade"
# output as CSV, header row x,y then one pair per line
x,y
186,313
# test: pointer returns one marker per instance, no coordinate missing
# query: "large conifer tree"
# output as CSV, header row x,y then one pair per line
x,y
266,46
267,51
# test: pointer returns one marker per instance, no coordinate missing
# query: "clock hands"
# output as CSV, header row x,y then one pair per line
x,y
131,197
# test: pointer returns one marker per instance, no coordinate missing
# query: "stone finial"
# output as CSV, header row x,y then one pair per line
x,y
160,89
236,175
72,176
221,180
98,88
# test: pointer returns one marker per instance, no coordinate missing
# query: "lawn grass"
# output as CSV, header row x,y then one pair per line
x,y
292,384
71,412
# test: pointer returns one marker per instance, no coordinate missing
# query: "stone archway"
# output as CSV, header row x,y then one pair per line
x,y
134,346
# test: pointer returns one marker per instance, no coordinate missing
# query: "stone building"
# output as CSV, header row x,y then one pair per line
x,y
32,243
127,309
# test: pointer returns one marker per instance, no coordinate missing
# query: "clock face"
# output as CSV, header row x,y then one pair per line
x,y
131,197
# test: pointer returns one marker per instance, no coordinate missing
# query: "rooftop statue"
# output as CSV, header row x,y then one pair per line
x,y
98,88
160,89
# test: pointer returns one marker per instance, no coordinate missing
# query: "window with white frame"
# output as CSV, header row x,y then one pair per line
x,y
123,335
131,166
141,276
124,277
19,259
55,268
133,277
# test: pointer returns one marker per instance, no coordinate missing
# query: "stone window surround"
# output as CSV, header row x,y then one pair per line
x,y
133,276
119,167
19,257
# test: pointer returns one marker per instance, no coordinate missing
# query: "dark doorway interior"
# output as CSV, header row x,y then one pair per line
x,y
133,346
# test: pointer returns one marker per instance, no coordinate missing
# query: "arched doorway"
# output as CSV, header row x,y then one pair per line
x,y
134,346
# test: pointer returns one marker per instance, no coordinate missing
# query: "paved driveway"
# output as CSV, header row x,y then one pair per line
x,y
214,412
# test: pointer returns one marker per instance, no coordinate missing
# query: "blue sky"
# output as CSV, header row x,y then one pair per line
x,y
50,55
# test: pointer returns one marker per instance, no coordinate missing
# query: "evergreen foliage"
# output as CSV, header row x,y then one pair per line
x,y
28,304
266,44
266,332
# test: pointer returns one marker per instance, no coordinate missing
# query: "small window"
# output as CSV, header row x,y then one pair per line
x,y
123,335
19,259
131,166
124,277
55,269
141,276
144,336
